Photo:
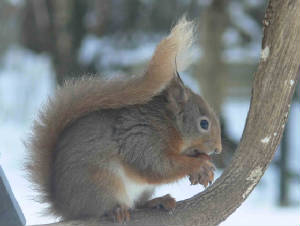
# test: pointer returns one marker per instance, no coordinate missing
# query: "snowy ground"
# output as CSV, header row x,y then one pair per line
x,y
25,82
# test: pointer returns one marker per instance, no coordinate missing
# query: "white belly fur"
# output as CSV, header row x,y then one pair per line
x,y
133,189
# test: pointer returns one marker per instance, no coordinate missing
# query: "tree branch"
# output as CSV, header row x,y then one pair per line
x,y
273,88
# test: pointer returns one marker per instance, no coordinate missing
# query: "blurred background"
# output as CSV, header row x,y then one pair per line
x,y
44,42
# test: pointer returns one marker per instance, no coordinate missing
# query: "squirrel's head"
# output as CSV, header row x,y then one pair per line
x,y
193,117
195,120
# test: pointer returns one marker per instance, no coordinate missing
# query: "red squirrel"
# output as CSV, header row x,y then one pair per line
x,y
100,147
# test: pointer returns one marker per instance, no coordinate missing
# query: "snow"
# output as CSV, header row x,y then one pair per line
x,y
265,140
235,49
263,216
231,36
26,79
292,82
249,53
265,53
107,55
243,20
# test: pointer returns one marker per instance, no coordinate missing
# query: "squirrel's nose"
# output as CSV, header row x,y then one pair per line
x,y
218,149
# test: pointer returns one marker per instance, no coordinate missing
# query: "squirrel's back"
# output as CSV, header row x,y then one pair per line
x,y
97,144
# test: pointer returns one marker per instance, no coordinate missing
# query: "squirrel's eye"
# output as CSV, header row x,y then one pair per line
x,y
204,124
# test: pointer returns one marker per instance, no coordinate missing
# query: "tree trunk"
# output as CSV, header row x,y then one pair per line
x,y
212,68
273,88
56,27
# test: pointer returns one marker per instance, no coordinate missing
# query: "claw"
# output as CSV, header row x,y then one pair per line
x,y
121,214
204,176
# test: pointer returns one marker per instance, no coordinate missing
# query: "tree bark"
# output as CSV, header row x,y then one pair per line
x,y
273,88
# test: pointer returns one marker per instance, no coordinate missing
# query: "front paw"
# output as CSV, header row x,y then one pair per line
x,y
205,174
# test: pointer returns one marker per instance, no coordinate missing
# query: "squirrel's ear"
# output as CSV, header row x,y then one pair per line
x,y
176,94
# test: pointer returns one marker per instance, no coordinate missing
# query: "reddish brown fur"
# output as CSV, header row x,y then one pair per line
x,y
80,97
182,164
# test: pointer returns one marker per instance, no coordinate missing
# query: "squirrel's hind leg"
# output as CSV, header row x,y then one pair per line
x,y
119,213
98,193
115,193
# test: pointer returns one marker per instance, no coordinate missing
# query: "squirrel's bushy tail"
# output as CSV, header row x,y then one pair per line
x,y
80,97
